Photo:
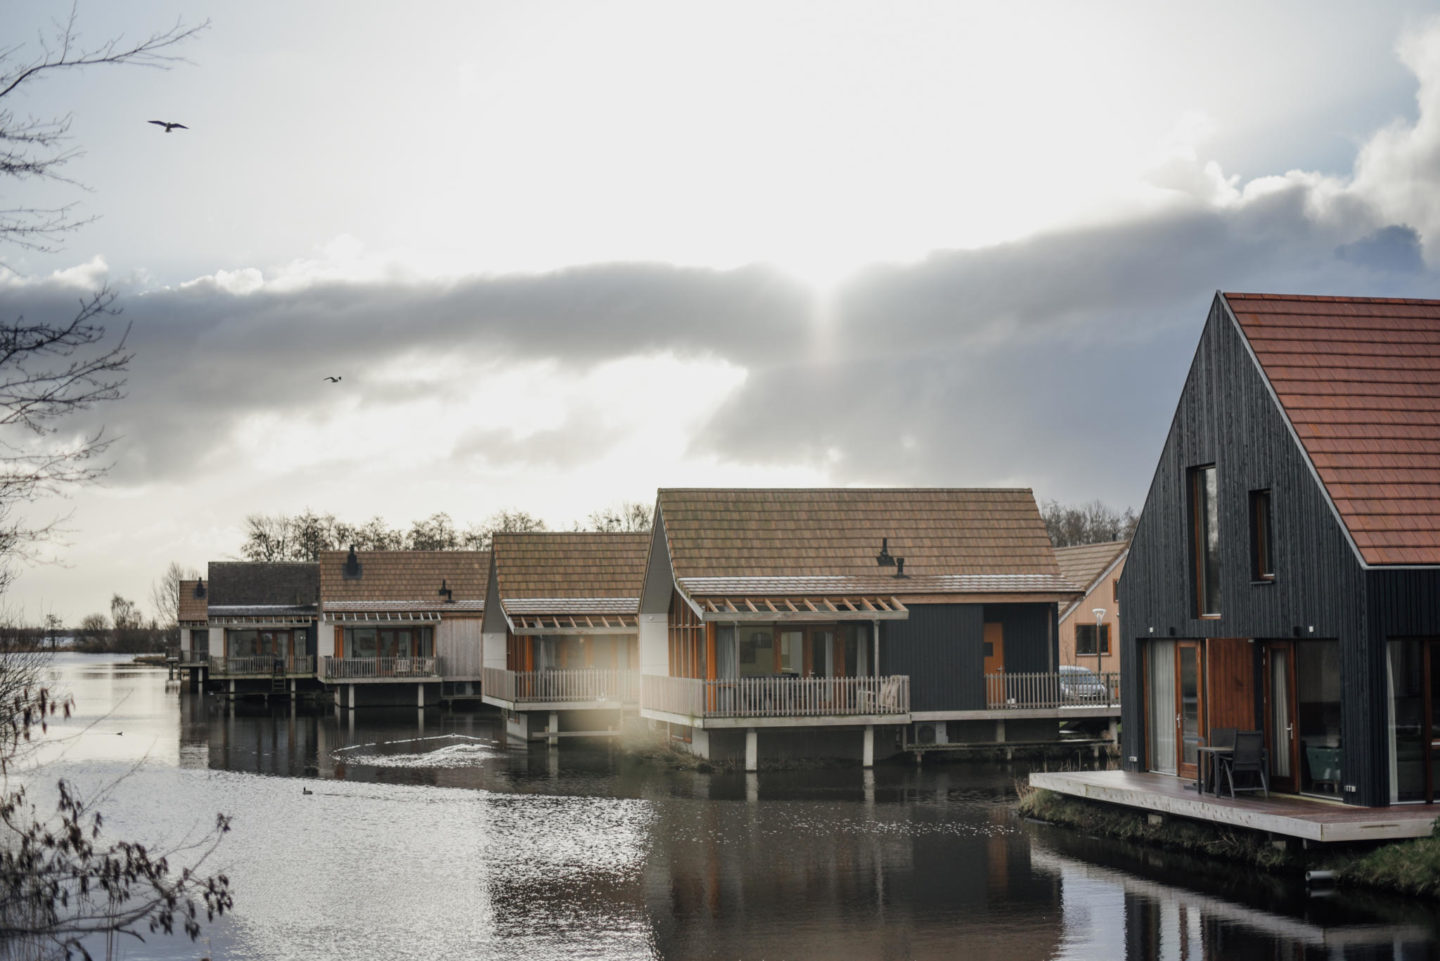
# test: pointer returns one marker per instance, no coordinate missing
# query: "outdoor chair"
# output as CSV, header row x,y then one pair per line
x,y
1247,758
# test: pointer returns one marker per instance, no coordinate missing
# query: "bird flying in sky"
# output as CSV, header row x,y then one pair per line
x,y
334,380
169,126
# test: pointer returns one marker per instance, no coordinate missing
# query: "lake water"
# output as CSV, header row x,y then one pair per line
x,y
423,837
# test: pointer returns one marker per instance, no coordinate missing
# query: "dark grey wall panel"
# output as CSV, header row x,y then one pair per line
x,y
1030,635
938,646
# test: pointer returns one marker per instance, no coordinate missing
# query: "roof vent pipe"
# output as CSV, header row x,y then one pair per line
x,y
883,558
200,587
899,567
446,592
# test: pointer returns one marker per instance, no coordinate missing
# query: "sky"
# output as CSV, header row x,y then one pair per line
x,y
562,254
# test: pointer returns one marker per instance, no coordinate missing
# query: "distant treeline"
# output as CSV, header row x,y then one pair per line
x,y
301,537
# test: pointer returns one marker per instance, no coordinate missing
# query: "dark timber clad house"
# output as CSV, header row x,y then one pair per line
x,y
1285,573
818,615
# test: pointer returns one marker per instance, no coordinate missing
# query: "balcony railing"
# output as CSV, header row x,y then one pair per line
x,y
1047,690
579,685
261,665
777,696
379,668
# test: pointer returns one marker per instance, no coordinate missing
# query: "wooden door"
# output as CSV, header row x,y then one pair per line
x,y
1280,716
994,648
1189,706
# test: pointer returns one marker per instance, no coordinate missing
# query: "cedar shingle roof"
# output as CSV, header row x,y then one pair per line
x,y
570,573
951,539
1082,563
1359,379
405,580
192,608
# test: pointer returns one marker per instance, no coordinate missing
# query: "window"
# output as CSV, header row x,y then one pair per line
x,y
1262,564
1205,540
1085,639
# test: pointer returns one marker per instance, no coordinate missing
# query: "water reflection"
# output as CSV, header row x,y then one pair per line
x,y
382,834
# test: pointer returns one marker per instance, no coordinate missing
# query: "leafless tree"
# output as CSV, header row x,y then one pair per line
x,y
1092,523
38,148
627,516
165,594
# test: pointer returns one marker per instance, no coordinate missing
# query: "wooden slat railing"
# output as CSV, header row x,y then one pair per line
x,y
1046,690
265,664
776,696
379,668
579,685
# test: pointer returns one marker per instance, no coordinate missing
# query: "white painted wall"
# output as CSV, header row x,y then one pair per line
x,y
495,649
324,640
654,644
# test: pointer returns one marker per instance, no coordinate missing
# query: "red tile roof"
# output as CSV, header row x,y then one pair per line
x,y
1359,379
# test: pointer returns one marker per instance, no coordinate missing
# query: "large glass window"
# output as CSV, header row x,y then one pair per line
x,y
757,651
1322,753
389,642
1205,534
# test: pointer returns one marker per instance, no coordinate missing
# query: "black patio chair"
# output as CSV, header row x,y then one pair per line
x,y
1247,758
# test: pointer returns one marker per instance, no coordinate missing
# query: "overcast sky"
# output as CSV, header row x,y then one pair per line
x,y
565,253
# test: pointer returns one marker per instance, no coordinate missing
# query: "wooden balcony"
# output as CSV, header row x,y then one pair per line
x,y
265,665
776,701
380,669
559,690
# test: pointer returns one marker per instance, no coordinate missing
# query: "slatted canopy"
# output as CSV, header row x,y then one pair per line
x,y
821,609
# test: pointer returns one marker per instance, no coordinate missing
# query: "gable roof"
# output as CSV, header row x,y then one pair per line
x,y
405,581
582,572
826,541
1085,564
192,609
258,588
1359,381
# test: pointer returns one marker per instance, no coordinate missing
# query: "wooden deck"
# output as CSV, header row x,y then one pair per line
x,y
1310,819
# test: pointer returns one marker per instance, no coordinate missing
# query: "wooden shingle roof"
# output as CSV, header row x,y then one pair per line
x,y
1082,563
570,573
405,580
1359,380
192,609
827,540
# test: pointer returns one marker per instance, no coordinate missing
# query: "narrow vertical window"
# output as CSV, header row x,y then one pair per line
x,y
1205,533
1262,564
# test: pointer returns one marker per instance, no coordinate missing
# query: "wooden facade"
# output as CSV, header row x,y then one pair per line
x,y
1318,597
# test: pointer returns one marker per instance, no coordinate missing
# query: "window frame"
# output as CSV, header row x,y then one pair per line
x,y
1205,552
1103,643
1262,536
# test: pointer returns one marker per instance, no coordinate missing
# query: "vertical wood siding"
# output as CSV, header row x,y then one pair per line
x,y
940,647
1227,417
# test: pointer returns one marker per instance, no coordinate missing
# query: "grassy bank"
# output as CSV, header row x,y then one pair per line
x,y
1194,837
1410,868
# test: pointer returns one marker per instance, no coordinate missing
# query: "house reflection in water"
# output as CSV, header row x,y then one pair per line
x,y
1112,913
895,877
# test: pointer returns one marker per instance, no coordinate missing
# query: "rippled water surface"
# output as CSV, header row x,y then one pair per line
x,y
410,835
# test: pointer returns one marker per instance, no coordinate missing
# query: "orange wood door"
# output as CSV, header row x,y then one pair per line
x,y
1189,705
994,648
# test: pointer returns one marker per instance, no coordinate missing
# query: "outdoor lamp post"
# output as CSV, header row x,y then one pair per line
x,y
1099,613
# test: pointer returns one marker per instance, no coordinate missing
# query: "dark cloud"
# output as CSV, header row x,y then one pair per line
x,y
1054,361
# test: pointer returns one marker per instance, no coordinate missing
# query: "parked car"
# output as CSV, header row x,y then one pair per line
x,y
1082,685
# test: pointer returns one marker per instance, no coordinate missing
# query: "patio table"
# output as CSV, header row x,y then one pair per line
x,y
1207,763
